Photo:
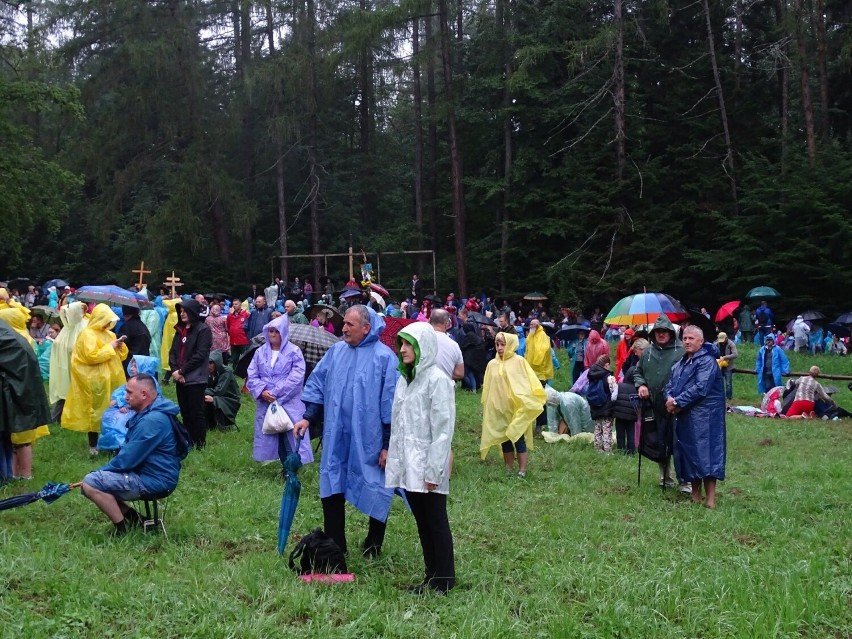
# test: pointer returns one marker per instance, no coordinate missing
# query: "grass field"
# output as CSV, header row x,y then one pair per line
x,y
575,550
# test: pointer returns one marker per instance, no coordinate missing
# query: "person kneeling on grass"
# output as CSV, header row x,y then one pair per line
x,y
422,424
148,463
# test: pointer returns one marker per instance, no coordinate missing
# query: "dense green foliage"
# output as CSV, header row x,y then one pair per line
x,y
575,550
207,136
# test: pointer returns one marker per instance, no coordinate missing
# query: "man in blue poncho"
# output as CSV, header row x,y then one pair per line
x,y
695,395
149,461
351,393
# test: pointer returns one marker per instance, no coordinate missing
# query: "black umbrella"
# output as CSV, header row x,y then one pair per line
x,y
217,296
331,313
479,318
839,329
241,369
569,332
846,318
434,299
699,319
812,316
57,283
549,328
19,283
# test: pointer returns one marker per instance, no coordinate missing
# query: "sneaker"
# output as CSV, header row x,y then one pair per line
x,y
685,488
522,474
93,452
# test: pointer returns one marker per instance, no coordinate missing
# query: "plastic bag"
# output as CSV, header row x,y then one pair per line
x,y
276,420
113,428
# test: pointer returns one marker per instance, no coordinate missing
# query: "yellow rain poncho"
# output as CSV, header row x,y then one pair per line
x,y
95,373
74,320
538,354
512,397
17,316
168,331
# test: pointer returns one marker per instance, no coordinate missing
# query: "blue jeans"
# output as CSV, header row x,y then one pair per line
x,y
728,376
469,380
123,486
519,446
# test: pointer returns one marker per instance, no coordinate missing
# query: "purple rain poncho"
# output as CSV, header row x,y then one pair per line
x,y
284,380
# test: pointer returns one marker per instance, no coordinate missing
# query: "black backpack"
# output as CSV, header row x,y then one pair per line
x,y
316,552
182,442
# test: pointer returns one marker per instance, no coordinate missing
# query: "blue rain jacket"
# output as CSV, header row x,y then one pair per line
x,y
780,366
700,439
150,450
356,388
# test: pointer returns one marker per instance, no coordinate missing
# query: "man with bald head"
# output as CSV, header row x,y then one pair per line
x,y
293,314
149,461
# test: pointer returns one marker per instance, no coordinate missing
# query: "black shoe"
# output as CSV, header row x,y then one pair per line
x,y
120,529
133,518
419,589
371,551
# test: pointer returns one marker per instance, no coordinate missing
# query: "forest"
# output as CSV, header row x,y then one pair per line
x,y
585,148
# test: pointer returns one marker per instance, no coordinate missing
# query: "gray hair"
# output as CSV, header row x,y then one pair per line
x,y
695,330
363,313
439,317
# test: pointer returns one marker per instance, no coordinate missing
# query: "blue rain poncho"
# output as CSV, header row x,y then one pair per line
x,y
114,421
700,438
355,385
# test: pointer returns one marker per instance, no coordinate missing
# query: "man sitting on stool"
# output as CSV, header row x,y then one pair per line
x,y
147,464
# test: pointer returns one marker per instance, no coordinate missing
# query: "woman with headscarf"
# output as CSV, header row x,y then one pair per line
x,y
594,349
512,398
276,374
218,324
96,372
16,316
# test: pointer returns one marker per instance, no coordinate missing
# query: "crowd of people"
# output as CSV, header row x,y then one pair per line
x,y
386,416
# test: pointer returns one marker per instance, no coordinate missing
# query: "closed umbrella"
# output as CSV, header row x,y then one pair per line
x,y
292,490
48,494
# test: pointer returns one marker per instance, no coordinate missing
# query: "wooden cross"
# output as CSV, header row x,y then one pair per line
x,y
173,282
141,270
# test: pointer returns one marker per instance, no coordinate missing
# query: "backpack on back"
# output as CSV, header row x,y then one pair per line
x,y
182,442
597,393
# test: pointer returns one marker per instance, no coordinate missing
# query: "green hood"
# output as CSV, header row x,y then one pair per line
x,y
665,323
421,336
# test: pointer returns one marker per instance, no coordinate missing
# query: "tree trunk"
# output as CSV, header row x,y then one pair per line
x,y
729,152
618,93
783,80
279,155
804,78
504,25
418,138
365,81
738,42
247,124
455,153
823,68
313,154
432,143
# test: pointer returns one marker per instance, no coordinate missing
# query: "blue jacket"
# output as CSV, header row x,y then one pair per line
x,y
150,449
780,366
356,388
256,321
700,435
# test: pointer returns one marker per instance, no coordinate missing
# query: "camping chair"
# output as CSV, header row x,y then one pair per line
x,y
154,519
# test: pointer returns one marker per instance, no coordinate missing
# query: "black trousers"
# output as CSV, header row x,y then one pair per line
x,y
191,402
433,526
334,522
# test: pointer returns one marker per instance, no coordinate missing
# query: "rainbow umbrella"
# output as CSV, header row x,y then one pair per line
x,y
645,308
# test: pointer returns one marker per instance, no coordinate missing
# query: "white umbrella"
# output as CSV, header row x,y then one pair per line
x,y
377,299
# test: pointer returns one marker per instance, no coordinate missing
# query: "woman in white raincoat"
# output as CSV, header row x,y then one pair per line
x,y
422,425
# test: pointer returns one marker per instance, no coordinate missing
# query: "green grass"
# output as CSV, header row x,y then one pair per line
x,y
576,550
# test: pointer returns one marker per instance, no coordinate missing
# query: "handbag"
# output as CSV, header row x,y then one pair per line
x,y
276,420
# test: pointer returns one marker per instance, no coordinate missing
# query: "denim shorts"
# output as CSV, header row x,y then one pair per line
x,y
123,486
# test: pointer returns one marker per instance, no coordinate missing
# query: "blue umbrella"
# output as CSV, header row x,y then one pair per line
x,y
49,494
112,295
57,283
569,332
292,489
